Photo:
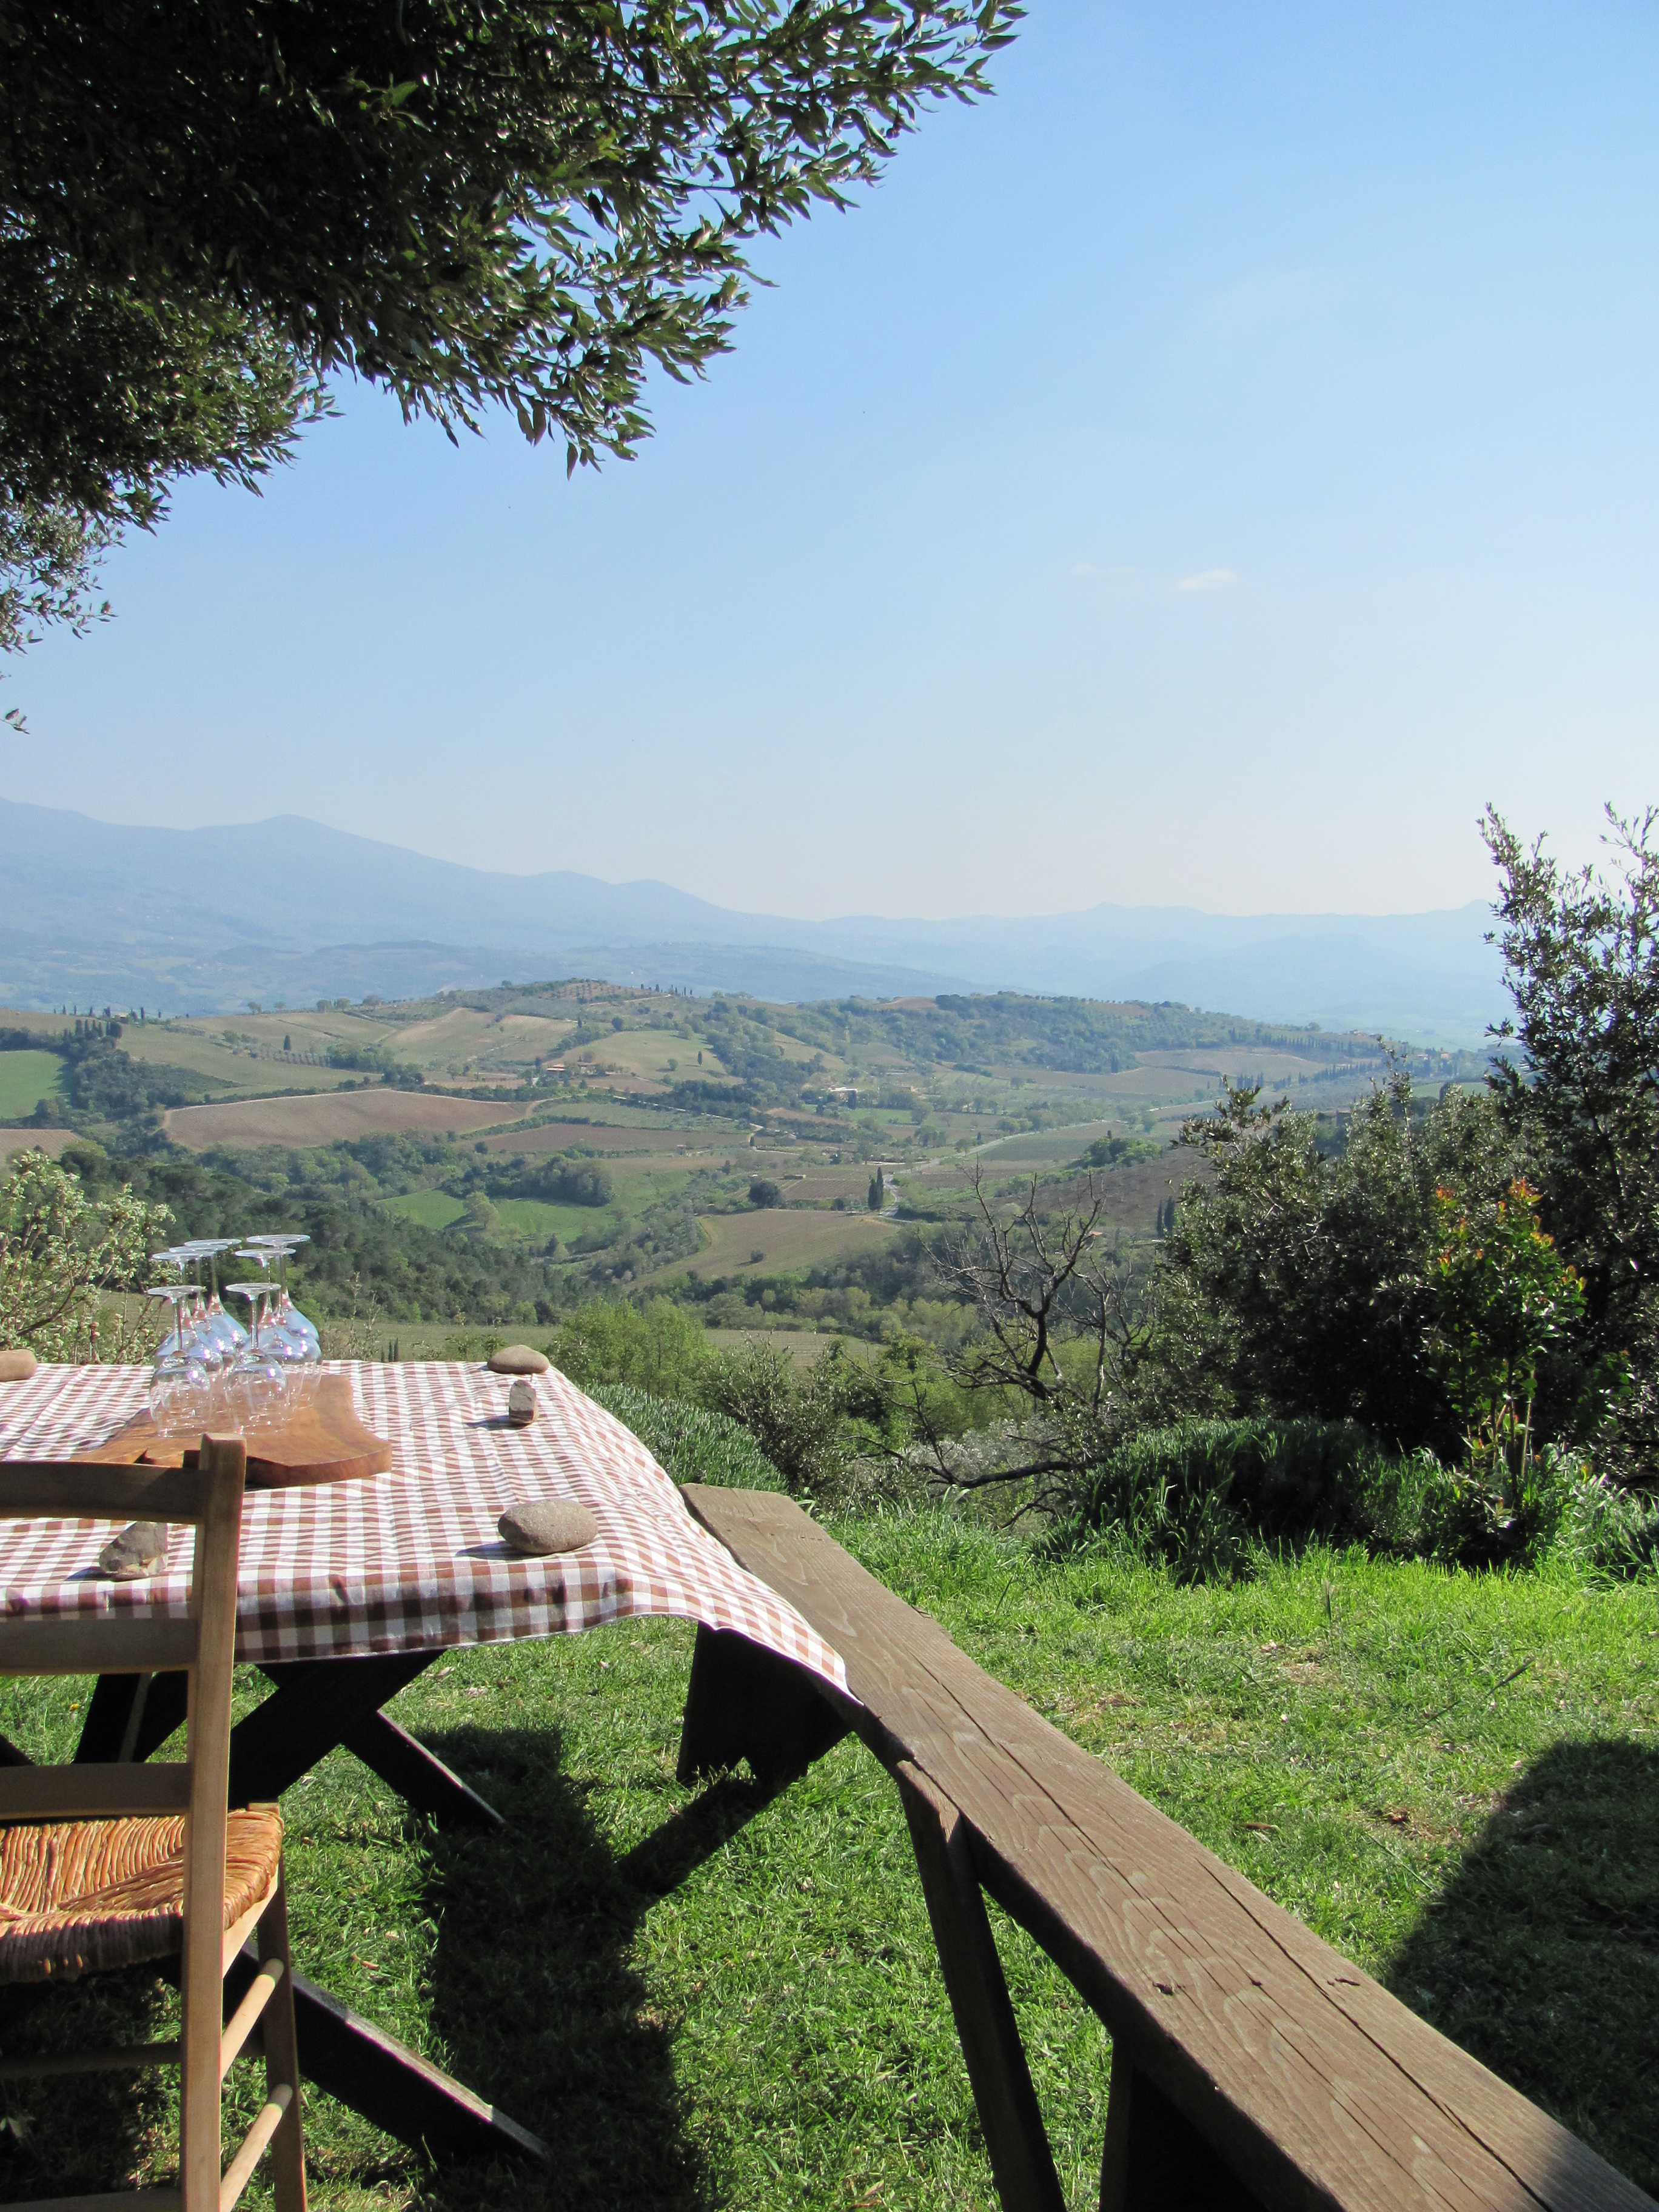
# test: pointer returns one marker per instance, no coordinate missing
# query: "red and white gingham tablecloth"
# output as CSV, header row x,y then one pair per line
x,y
408,1560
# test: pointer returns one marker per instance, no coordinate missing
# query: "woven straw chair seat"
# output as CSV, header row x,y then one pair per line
x,y
79,1896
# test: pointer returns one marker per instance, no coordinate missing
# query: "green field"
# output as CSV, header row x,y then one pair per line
x,y
25,1078
785,1238
531,1218
432,1209
710,1999
539,1218
619,1132
644,1182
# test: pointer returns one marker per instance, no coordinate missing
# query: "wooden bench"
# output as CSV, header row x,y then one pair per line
x,y
1252,2065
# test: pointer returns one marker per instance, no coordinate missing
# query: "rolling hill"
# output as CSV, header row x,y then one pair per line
x,y
201,920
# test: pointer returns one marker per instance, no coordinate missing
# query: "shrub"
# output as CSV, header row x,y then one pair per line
x,y
1297,1282
58,1249
1117,1152
658,1347
810,1426
1193,1495
691,1442
1558,1507
763,1191
1608,1530
569,1182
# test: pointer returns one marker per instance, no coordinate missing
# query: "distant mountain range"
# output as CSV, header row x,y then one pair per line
x,y
197,920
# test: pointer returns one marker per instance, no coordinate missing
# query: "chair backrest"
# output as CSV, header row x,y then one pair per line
x,y
119,1641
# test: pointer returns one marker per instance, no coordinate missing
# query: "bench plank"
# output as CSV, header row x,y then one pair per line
x,y
1315,2085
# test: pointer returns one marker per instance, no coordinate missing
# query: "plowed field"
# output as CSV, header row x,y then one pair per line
x,y
324,1117
602,1137
49,1141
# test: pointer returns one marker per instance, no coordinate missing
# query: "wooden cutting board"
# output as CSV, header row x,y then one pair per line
x,y
324,1442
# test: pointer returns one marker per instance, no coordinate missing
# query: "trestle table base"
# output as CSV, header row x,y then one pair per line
x,y
317,1704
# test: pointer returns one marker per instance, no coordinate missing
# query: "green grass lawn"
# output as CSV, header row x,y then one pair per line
x,y
540,1218
25,1078
702,2000
432,1209
532,1217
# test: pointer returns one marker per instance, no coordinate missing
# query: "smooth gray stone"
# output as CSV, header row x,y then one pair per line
x,y
519,1359
140,1549
521,1403
541,1525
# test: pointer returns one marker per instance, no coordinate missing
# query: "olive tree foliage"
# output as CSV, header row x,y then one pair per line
x,y
91,436
59,1250
801,1423
1295,1280
1581,956
208,209
47,556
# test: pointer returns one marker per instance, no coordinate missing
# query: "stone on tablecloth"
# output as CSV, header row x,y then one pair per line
x,y
521,1403
140,1548
16,1366
519,1359
540,1525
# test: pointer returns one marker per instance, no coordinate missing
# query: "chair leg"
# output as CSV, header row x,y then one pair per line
x,y
201,1982
283,2056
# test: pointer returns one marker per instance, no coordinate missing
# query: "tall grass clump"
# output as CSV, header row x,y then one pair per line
x,y
690,1442
1196,1494
1199,1496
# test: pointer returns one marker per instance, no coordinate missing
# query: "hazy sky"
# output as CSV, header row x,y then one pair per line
x,y
1204,474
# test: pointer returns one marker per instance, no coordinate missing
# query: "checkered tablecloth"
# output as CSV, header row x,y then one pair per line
x,y
408,1560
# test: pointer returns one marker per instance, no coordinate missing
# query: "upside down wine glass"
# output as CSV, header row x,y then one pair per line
x,y
181,1384
299,1342
225,1330
296,1348
259,1375
288,1313
200,1338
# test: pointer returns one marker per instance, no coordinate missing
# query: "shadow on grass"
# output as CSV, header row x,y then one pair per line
x,y
1541,1956
534,1991
82,2134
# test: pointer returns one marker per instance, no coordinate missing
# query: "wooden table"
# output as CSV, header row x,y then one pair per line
x,y
348,1591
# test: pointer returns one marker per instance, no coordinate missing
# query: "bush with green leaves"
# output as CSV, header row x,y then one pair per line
x,y
1581,956
657,1347
59,1248
1503,1294
1197,1493
1295,1283
798,1422
1202,1497
693,1443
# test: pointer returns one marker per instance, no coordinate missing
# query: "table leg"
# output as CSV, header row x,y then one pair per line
x,y
745,1702
319,1703
419,1775
129,1717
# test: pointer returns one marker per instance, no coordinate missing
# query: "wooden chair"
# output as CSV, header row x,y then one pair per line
x,y
103,1866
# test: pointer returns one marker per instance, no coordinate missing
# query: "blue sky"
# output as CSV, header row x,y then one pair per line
x,y
1203,475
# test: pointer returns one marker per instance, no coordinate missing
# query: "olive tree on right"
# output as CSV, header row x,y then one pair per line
x,y
1581,958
